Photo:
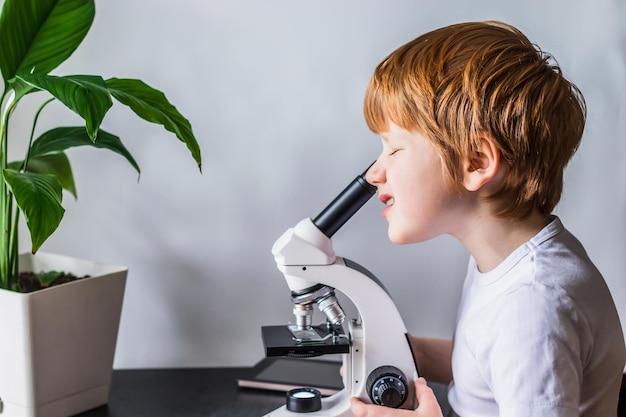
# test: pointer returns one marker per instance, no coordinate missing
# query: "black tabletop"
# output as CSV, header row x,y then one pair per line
x,y
203,392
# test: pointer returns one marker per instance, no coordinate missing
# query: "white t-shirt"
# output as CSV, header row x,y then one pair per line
x,y
537,336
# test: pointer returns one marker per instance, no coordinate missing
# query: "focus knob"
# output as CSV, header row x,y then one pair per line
x,y
387,386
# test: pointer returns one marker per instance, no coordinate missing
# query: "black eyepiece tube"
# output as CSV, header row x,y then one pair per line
x,y
348,202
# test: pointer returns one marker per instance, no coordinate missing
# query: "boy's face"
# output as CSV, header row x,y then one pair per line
x,y
410,178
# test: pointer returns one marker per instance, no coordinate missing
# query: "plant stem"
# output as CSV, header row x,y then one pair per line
x,y
32,132
4,261
7,259
13,247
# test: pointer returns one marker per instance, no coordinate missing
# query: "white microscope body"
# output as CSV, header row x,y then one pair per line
x,y
379,366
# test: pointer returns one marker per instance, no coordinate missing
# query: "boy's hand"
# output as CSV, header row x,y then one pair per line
x,y
428,405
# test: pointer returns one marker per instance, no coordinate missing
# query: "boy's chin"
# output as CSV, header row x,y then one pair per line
x,y
404,238
398,239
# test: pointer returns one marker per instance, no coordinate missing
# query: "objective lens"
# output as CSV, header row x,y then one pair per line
x,y
304,316
331,308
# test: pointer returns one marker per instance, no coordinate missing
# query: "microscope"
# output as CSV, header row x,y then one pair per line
x,y
378,364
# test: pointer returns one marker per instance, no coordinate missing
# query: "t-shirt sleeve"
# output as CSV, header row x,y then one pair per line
x,y
534,363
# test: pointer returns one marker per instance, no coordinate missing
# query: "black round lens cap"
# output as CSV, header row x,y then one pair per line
x,y
304,400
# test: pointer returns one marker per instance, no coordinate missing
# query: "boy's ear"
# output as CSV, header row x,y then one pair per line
x,y
482,164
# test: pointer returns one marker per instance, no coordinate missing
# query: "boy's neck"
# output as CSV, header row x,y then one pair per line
x,y
491,239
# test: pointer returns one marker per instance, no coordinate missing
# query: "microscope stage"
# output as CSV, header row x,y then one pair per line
x,y
280,341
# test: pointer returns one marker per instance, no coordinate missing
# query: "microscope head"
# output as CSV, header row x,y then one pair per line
x,y
309,242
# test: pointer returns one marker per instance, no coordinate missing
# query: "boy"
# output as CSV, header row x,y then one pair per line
x,y
477,126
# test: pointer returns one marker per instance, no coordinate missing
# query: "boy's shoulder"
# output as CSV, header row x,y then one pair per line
x,y
558,282
560,260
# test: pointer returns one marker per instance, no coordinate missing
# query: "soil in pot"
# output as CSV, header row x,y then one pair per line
x,y
30,281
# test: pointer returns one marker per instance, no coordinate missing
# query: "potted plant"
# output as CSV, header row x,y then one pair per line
x,y
36,36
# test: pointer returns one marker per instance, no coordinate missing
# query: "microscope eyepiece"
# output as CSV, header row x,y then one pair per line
x,y
343,207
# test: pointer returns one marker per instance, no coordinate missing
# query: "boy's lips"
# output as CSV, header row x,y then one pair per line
x,y
388,201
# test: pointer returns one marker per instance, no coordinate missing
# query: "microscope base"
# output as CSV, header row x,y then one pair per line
x,y
337,405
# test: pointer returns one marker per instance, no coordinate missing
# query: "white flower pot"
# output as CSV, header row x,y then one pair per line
x,y
57,345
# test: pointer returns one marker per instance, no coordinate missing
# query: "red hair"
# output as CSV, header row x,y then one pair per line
x,y
459,83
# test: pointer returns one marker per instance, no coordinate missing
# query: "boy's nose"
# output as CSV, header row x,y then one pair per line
x,y
374,175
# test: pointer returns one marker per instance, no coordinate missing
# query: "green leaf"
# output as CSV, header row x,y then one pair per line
x,y
47,278
152,105
38,35
61,138
39,197
86,95
54,164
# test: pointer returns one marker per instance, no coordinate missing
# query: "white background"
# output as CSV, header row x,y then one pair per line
x,y
274,92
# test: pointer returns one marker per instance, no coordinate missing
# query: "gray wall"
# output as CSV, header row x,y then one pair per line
x,y
274,92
